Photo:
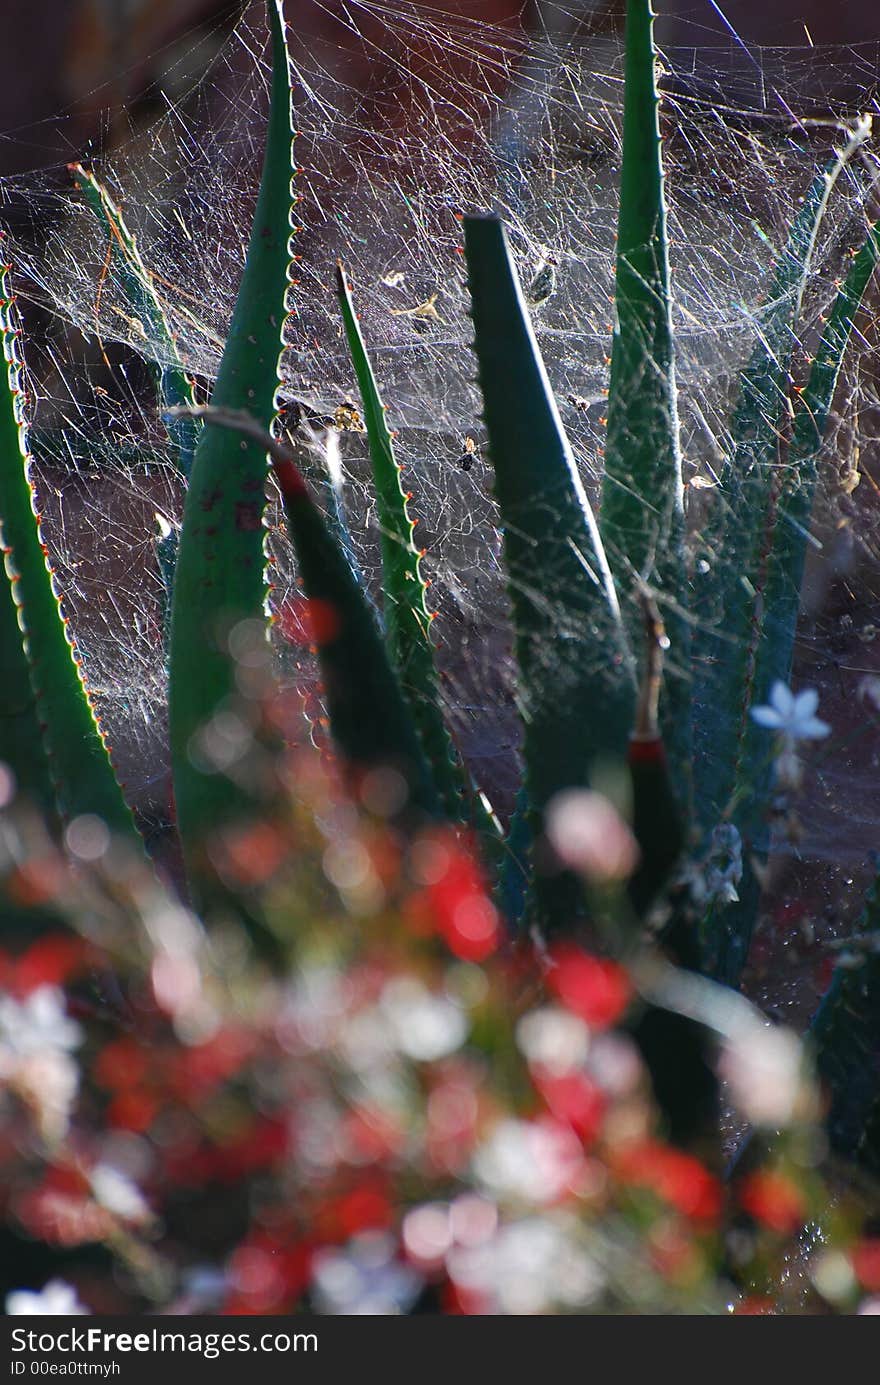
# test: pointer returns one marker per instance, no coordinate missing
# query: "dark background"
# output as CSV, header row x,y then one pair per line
x,y
70,68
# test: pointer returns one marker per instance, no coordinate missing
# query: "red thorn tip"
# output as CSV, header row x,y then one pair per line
x,y
646,752
290,481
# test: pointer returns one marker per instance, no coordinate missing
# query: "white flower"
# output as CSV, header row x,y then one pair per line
x,y
364,1279
48,1083
425,1026
313,1010
529,1161
553,1039
764,1068
529,1267
793,715
36,1036
713,879
115,1191
32,1026
588,835
869,689
55,1300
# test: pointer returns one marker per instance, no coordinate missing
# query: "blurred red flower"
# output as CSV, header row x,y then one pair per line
x,y
593,987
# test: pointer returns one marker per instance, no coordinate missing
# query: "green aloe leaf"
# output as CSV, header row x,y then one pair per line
x,y
797,481
22,746
369,717
576,686
641,517
642,495
845,1038
357,674
60,711
145,303
732,771
174,387
219,578
405,606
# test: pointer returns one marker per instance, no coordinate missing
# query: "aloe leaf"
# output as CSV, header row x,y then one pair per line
x,y
641,517
22,746
794,488
405,606
642,495
731,777
845,1037
61,711
21,741
356,671
576,684
174,386
369,717
219,579
797,483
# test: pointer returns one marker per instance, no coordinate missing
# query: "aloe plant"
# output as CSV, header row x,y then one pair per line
x,y
219,579
587,595
759,532
642,512
62,711
576,704
174,387
356,667
406,614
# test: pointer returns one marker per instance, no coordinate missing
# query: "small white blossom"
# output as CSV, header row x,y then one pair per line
x,y
203,1289
115,1191
56,1299
764,1068
48,1083
869,689
529,1161
793,715
36,1037
713,879
425,1026
589,836
530,1266
36,1024
364,1278
553,1039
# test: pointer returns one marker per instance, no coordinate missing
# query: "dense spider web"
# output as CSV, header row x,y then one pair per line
x,y
408,118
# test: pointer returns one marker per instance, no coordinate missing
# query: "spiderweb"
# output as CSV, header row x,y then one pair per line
x,y
409,117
